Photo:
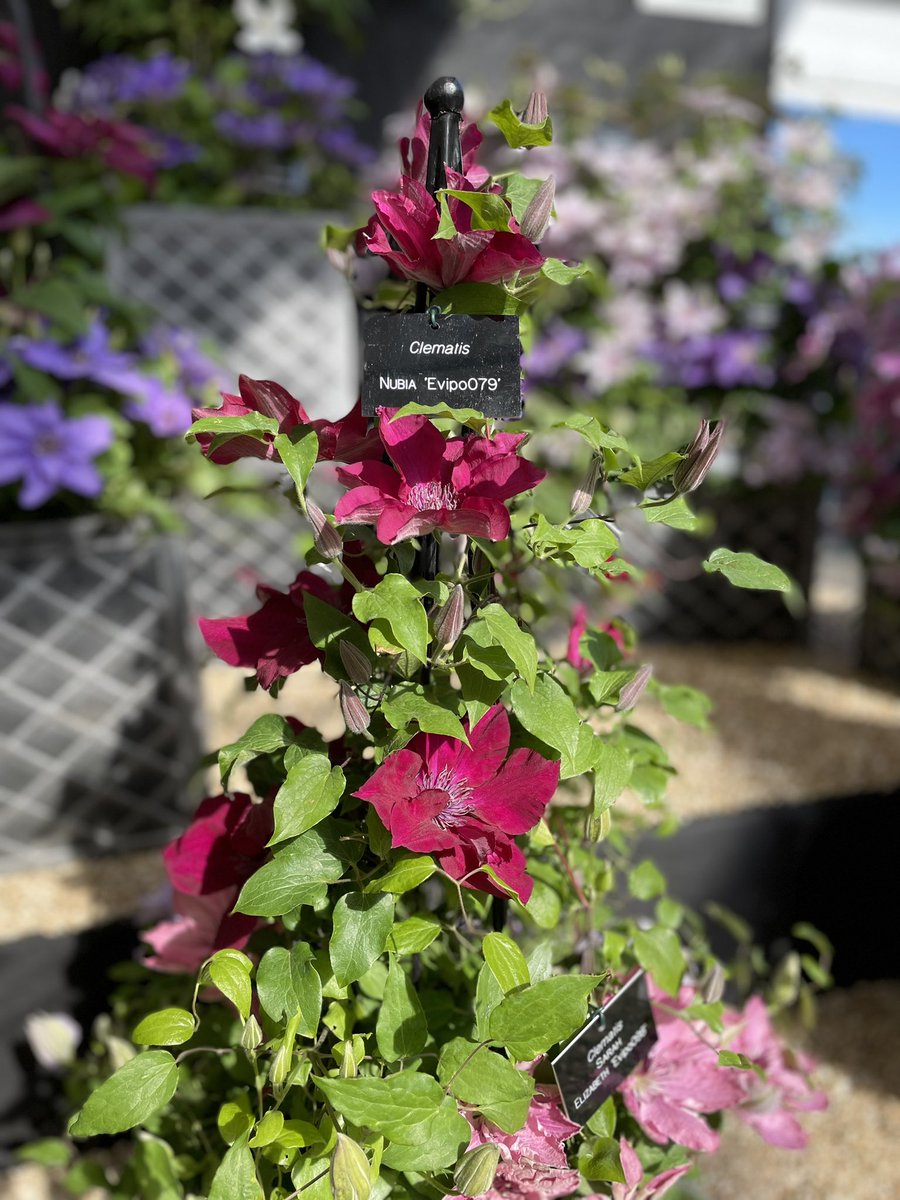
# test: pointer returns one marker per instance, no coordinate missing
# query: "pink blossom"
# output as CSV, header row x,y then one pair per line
x,y
403,230
631,1189
274,640
346,440
577,631
456,484
223,845
465,804
768,1104
533,1163
118,144
680,1079
21,213
200,926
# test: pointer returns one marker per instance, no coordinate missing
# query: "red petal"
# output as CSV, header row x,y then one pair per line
x,y
515,800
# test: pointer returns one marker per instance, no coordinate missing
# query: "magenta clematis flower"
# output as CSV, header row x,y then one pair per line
x,y
347,440
632,1188
465,804
768,1105
680,1079
533,1163
456,484
19,214
225,843
403,229
118,144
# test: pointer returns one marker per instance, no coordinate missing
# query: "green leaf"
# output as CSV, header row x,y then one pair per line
x,y
309,793
544,906
612,770
659,952
506,961
397,1106
266,734
134,1093
401,1030
488,994
288,983
235,1119
489,211
494,626
230,971
589,544
745,570
298,874
167,1027
530,1021
646,881
730,1058
268,1129
407,873
414,935
49,1152
407,703
396,615
252,425
490,1082
519,135
519,191
236,1178
361,927
19,174
557,271
597,435
551,716
155,1170
479,299
643,475
603,1121
433,1146
57,299
674,512
298,451
602,1163
685,703
327,627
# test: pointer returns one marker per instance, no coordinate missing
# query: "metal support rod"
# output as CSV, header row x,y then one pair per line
x,y
444,101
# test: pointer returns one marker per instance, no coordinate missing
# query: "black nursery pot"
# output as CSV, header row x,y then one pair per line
x,y
681,602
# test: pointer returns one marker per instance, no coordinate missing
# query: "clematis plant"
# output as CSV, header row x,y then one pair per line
x,y
401,927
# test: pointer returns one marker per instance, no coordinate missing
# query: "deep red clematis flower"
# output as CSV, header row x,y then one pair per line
x,y
465,804
274,640
348,440
456,484
414,150
120,145
19,214
223,846
403,229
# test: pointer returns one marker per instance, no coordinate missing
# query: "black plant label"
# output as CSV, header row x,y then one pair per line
x,y
461,361
615,1040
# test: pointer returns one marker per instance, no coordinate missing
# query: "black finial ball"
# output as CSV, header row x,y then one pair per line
x,y
445,95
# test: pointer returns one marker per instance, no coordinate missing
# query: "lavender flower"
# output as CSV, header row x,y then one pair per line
x,y
195,369
553,350
342,143
120,79
167,411
49,452
88,357
269,131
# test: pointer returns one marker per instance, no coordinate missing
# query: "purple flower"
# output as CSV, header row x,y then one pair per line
x,y
122,79
89,357
173,151
342,143
553,351
49,452
165,410
734,358
268,131
306,77
195,369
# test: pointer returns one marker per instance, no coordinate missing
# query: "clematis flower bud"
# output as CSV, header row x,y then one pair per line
x,y
251,1035
583,496
536,216
349,1170
714,984
281,1064
536,110
448,621
354,712
328,541
53,1039
475,1171
356,664
698,457
634,689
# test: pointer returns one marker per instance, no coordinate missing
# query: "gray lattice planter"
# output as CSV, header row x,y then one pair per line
x,y
681,602
256,284
97,691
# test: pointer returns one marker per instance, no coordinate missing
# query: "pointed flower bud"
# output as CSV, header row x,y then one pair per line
x,y
536,216
328,541
349,1170
354,712
698,457
714,984
475,1171
448,621
583,496
634,689
356,664
536,110
251,1035
281,1064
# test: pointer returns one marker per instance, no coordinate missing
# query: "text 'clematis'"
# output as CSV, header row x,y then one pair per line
x,y
465,804
455,484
